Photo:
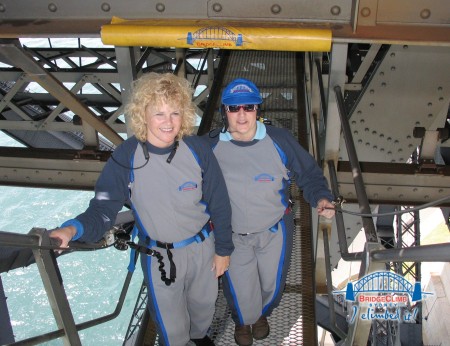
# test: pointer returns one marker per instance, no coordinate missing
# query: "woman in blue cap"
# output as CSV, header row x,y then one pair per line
x,y
258,162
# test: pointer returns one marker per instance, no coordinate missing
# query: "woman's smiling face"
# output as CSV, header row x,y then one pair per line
x,y
163,124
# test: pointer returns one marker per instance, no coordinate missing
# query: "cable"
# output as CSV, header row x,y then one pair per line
x,y
147,158
408,210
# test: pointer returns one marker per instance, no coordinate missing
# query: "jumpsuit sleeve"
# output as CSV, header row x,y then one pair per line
x,y
215,195
111,193
302,167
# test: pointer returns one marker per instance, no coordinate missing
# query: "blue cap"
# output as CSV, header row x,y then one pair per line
x,y
241,92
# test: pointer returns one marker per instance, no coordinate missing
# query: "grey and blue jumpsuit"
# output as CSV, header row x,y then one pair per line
x,y
172,203
258,174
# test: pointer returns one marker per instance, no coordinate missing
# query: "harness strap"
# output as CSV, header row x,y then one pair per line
x,y
199,237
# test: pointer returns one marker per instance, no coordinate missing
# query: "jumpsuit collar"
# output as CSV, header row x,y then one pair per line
x,y
159,151
260,133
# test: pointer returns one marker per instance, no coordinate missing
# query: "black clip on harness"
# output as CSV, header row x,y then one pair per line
x,y
123,242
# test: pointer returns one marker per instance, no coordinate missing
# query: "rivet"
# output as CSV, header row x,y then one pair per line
x,y
426,197
52,7
372,91
441,99
381,73
217,7
353,122
367,144
415,189
355,133
417,123
425,13
160,7
372,105
405,46
408,137
430,104
392,55
105,7
275,9
335,10
392,68
366,129
441,190
374,132
365,12
383,84
362,121
439,88
359,141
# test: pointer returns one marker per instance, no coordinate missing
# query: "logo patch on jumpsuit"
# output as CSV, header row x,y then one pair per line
x,y
187,186
264,178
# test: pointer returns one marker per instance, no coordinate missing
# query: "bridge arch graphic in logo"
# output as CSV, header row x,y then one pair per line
x,y
217,35
384,283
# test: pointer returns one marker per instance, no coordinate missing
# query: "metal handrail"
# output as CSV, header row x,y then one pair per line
x,y
34,241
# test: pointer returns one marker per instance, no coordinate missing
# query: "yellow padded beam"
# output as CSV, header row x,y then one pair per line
x,y
202,34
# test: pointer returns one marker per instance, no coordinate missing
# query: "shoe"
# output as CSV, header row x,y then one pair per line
x,y
243,335
261,329
206,341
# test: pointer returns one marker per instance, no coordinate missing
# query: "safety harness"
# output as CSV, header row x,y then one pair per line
x,y
149,243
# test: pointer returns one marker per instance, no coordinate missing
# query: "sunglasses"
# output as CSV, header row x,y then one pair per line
x,y
235,108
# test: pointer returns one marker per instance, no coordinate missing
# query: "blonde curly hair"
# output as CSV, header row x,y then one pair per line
x,y
157,89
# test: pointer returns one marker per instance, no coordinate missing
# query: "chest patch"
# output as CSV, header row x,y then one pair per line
x,y
264,178
187,186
